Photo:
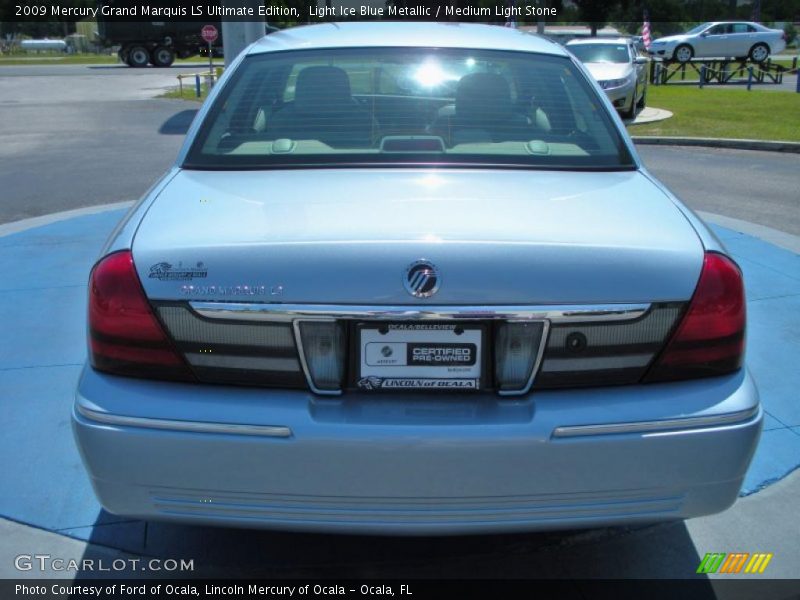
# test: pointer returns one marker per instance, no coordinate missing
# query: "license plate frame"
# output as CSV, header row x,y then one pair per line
x,y
424,357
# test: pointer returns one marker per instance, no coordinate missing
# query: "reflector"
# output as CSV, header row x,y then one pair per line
x,y
516,349
322,351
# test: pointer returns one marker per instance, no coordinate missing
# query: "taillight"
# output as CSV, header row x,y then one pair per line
x,y
124,335
710,337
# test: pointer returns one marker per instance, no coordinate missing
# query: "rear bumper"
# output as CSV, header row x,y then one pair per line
x,y
415,465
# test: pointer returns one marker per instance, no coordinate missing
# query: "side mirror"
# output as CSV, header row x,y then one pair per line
x,y
641,60
704,34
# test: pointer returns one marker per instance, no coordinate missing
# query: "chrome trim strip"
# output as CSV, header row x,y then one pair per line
x,y
298,340
188,426
655,426
577,313
536,365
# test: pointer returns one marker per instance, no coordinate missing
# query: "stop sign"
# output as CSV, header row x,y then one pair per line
x,y
209,33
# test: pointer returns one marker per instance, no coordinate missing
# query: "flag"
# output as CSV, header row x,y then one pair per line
x,y
646,31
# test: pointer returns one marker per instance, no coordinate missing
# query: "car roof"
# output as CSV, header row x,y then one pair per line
x,y
712,23
390,34
598,40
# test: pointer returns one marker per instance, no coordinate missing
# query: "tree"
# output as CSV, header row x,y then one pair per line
x,y
666,16
595,12
791,32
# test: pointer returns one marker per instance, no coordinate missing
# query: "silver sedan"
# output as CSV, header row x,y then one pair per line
x,y
619,69
413,278
721,39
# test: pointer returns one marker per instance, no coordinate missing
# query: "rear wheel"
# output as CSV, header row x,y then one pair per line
x,y
759,53
138,57
162,56
683,53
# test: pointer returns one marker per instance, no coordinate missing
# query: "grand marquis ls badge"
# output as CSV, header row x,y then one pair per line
x,y
422,279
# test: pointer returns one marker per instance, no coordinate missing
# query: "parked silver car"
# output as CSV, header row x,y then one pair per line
x,y
413,278
722,39
619,69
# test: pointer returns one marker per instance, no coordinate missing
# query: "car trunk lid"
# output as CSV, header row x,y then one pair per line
x,y
347,236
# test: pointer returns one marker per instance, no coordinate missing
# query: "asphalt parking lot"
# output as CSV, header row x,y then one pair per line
x,y
66,128
90,136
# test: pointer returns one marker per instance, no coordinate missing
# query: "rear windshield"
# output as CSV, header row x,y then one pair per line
x,y
402,106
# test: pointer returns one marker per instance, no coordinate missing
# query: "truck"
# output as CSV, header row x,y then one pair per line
x,y
157,43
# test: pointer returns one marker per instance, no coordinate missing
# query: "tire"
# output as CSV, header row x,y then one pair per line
x,y
759,53
631,112
643,102
683,53
138,57
162,56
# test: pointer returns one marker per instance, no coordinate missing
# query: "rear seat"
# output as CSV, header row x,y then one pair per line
x,y
483,113
324,109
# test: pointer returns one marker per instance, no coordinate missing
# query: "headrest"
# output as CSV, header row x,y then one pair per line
x,y
320,87
483,96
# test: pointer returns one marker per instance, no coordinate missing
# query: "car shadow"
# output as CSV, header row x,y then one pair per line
x,y
644,552
179,123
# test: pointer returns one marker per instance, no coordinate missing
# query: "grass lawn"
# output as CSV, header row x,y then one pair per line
x,y
189,92
59,58
724,113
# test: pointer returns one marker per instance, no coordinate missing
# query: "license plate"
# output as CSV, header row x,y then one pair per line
x,y
404,356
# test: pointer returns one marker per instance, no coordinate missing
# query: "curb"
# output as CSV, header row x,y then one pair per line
x,y
31,222
649,114
784,240
763,145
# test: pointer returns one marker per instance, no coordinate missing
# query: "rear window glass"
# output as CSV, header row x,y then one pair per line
x,y
407,106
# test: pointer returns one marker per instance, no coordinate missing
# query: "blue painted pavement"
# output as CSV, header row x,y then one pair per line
x,y
42,306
